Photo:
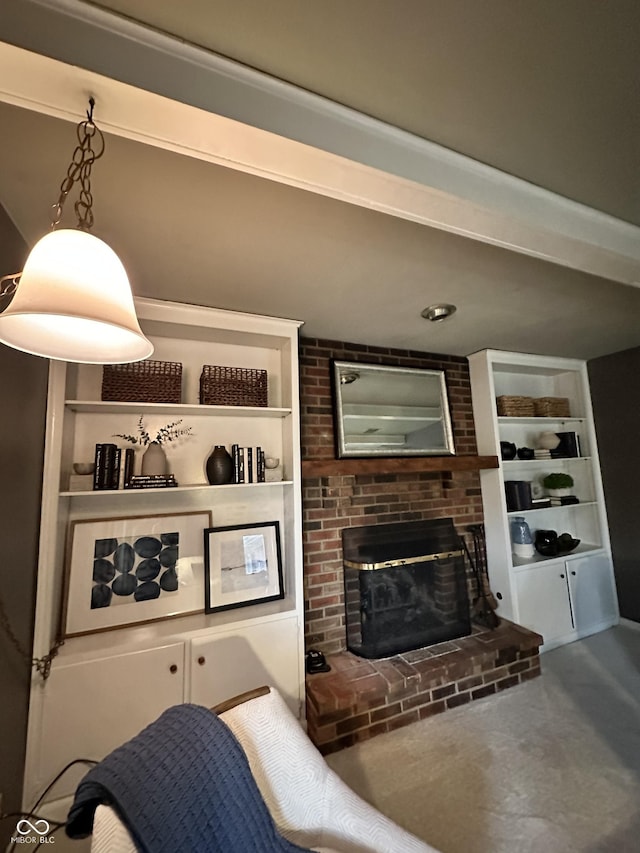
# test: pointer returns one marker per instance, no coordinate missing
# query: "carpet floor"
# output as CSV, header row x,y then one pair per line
x,y
550,766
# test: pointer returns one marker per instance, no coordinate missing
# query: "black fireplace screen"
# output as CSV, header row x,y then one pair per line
x,y
405,586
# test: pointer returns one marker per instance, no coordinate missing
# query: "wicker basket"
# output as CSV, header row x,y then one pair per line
x,y
233,386
552,407
518,407
143,382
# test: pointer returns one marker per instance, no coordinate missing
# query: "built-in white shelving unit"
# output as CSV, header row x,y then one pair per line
x,y
566,597
104,687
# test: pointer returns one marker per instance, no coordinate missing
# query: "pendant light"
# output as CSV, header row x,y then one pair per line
x,y
73,300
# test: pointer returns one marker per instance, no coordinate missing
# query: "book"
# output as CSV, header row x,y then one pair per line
x,y
129,460
98,462
152,481
235,456
115,469
564,501
104,461
249,465
569,445
151,478
540,503
241,465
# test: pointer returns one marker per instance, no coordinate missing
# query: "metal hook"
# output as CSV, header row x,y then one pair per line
x,y
92,104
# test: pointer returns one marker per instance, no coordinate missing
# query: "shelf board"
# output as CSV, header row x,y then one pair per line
x,y
172,489
546,462
108,407
504,420
531,562
395,465
176,628
547,508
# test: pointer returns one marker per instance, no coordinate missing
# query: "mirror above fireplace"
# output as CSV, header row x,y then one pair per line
x,y
380,410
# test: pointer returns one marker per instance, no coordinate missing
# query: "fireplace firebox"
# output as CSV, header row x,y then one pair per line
x,y
405,586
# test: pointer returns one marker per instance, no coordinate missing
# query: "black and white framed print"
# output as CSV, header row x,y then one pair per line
x,y
242,565
124,571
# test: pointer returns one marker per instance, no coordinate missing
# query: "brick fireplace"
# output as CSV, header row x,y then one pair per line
x,y
359,698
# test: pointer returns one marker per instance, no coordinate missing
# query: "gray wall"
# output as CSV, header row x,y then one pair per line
x,y
615,391
23,391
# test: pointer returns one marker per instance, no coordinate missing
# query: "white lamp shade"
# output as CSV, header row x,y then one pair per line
x,y
74,303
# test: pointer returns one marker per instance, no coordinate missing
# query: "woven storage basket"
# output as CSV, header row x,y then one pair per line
x,y
510,406
233,386
552,407
143,382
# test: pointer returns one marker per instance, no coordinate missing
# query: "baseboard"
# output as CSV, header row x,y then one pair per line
x,y
629,623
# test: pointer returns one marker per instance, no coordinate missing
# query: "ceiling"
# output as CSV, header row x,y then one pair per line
x,y
546,92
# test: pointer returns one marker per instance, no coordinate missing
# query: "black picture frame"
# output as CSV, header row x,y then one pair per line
x,y
242,565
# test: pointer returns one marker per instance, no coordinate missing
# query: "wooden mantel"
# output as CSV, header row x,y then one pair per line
x,y
395,465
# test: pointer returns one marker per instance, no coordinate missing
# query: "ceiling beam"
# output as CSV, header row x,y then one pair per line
x,y
161,91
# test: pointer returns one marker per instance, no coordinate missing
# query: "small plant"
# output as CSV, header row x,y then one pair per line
x,y
558,480
167,433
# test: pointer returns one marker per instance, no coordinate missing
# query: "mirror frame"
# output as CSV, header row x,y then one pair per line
x,y
340,368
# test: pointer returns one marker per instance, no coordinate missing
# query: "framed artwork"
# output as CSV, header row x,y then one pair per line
x,y
242,565
124,571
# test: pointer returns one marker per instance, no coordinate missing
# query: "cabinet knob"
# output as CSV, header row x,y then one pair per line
x,y
562,576
202,660
573,573
173,668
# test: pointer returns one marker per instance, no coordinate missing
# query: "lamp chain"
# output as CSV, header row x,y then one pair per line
x,y
43,664
79,170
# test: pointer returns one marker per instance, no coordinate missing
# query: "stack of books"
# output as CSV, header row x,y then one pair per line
x,y
540,503
151,481
248,464
569,447
567,500
110,472
107,460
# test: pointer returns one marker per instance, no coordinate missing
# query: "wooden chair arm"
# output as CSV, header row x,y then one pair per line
x,y
228,704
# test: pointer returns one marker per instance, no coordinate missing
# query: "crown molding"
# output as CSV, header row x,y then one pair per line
x,y
162,91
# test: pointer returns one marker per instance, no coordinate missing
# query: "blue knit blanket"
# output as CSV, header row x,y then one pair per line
x,y
183,785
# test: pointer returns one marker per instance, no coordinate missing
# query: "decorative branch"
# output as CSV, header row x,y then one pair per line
x,y
167,433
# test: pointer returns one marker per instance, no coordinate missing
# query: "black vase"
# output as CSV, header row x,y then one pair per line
x,y
219,466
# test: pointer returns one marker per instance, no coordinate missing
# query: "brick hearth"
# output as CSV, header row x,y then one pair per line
x,y
361,698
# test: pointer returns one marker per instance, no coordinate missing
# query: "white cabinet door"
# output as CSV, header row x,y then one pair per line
x,y
232,662
93,706
543,602
592,592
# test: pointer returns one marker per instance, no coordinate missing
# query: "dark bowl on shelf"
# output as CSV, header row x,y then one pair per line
x,y
526,453
507,450
566,543
549,544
